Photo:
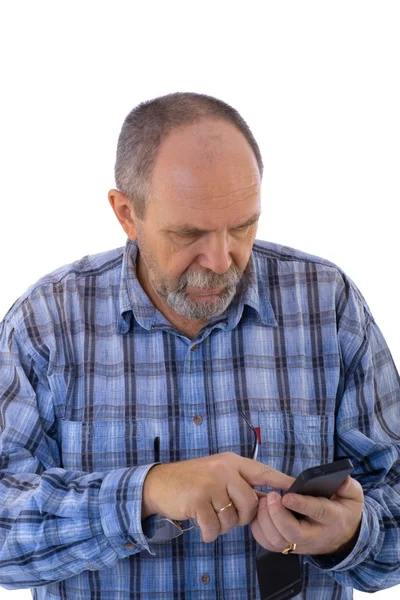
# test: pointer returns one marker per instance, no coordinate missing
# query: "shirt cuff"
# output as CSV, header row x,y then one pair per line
x,y
120,504
368,535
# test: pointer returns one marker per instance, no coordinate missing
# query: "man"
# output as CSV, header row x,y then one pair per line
x,y
129,380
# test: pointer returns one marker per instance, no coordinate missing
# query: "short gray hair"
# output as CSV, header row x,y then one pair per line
x,y
148,124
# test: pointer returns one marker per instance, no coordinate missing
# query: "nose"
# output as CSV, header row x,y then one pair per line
x,y
215,253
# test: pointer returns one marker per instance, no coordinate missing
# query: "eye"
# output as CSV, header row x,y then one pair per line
x,y
185,237
242,230
187,234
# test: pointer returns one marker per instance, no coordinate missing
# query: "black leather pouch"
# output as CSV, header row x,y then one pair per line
x,y
280,576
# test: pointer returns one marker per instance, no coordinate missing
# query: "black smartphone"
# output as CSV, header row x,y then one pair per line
x,y
279,578
322,480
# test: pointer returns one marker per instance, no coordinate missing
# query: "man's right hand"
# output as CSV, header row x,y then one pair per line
x,y
197,488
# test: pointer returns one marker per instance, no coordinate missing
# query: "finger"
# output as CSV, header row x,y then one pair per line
x,y
322,510
265,531
318,509
285,522
244,498
256,473
228,518
350,489
260,494
209,523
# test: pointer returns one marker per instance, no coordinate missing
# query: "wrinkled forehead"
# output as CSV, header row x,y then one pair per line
x,y
206,207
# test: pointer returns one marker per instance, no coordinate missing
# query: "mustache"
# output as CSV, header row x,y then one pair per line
x,y
209,279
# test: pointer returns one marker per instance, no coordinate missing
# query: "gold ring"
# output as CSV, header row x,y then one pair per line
x,y
224,507
289,548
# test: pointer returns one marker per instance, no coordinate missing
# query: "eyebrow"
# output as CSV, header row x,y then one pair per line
x,y
193,229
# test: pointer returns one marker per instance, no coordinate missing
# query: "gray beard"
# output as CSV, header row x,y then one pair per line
x,y
180,302
185,306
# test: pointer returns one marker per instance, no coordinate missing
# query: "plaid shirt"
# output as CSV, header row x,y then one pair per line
x,y
91,373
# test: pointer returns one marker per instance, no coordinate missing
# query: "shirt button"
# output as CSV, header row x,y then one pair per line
x,y
194,347
205,578
130,546
197,420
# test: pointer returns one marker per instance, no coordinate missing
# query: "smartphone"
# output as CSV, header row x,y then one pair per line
x,y
322,480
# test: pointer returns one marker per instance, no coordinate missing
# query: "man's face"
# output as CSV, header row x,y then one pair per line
x,y
197,235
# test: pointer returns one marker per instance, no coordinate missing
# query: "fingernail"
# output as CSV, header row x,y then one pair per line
x,y
272,498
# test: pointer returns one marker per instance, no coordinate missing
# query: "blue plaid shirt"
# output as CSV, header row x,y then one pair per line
x,y
91,373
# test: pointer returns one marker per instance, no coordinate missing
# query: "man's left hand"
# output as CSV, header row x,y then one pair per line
x,y
330,526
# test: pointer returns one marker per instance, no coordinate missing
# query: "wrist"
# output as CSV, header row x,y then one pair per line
x,y
346,548
148,501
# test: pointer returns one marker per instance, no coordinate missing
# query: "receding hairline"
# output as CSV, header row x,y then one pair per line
x,y
210,143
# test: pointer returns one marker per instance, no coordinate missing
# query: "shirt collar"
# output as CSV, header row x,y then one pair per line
x,y
134,302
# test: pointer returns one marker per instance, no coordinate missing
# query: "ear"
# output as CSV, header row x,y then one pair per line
x,y
124,212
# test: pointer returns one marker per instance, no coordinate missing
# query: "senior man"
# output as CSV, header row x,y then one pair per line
x,y
134,381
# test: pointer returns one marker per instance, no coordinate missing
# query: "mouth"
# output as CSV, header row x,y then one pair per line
x,y
205,292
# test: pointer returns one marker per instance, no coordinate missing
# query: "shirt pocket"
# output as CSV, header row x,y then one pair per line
x,y
292,442
99,446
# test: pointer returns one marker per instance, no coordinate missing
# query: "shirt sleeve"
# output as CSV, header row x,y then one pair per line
x,y
368,432
54,523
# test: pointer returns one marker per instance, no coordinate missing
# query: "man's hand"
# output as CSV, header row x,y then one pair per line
x,y
196,489
329,526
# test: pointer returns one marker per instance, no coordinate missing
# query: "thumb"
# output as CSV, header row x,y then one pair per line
x,y
345,485
350,489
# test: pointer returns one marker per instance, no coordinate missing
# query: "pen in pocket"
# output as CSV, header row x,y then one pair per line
x,y
157,449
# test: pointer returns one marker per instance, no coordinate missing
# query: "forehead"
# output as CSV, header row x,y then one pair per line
x,y
205,175
205,207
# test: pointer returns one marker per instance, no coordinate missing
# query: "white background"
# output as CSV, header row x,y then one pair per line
x,y
318,83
